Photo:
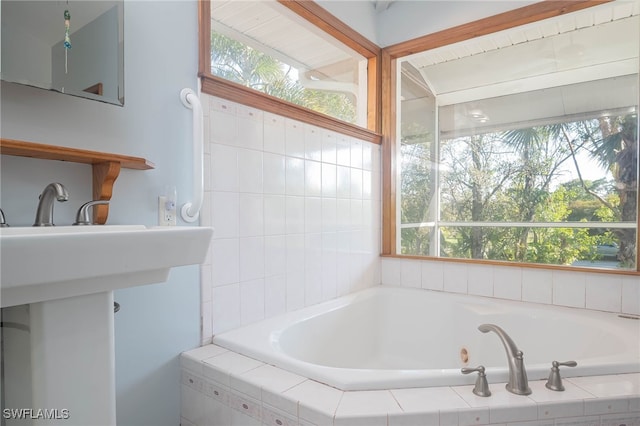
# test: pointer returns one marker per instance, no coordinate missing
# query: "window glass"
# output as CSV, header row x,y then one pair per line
x,y
522,146
264,46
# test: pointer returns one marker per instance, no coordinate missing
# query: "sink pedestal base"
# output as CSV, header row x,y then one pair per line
x,y
73,361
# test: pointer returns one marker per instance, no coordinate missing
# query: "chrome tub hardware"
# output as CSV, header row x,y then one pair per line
x,y
518,383
52,192
3,221
555,381
82,217
482,387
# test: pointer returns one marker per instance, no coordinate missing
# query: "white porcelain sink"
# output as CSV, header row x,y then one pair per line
x,y
47,263
67,275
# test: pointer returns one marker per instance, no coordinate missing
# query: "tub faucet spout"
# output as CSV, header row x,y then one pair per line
x,y
518,382
44,213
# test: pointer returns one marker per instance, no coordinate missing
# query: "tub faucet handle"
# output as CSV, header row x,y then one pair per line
x,y
555,381
482,387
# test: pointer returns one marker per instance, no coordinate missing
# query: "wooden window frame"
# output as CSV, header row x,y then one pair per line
x,y
318,16
390,55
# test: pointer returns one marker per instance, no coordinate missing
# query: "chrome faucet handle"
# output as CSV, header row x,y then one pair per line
x,y
555,381
482,387
3,221
82,217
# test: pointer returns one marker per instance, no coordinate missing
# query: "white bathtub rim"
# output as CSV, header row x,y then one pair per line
x,y
348,379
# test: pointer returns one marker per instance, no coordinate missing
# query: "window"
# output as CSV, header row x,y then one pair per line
x,y
522,145
268,47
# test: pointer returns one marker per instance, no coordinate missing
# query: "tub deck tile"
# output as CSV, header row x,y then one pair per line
x,y
540,393
317,402
448,417
414,418
366,408
226,364
509,413
558,409
629,419
268,383
192,360
499,397
609,386
417,400
474,416
222,386
607,406
503,406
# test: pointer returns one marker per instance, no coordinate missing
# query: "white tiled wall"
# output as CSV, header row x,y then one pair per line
x,y
599,291
296,212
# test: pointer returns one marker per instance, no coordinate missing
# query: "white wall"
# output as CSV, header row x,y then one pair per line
x,y
296,212
359,15
156,322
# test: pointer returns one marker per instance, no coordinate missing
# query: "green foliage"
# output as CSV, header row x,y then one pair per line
x,y
520,176
237,62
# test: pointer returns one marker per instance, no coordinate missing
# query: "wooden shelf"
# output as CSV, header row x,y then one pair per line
x,y
106,167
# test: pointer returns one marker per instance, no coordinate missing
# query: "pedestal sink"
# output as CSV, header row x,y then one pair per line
x,y
67,275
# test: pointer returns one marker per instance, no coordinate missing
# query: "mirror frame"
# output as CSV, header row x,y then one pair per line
x,y
390,55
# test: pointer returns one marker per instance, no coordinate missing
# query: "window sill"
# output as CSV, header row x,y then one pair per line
x,y
516,264
221,88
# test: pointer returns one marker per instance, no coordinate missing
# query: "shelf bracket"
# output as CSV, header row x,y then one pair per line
x,y
104,176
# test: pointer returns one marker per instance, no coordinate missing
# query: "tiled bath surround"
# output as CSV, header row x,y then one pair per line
x,y
296,212
220,387
586,290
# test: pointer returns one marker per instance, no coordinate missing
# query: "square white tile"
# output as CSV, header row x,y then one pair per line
x,y
294,138
251,258
251,215
455,277
507,282
294,176
569,289
252,295
410,273
604,292
391,271
537,285
432,275
250,171
480,280
273,169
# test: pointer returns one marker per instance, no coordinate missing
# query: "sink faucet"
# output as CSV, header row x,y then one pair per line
x,y
3,221
44,213
518,382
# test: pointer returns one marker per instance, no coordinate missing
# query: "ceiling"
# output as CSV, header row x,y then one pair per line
x,y
382,5
595,43
275,30
547,70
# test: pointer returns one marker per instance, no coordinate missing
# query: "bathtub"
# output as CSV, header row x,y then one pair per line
x,y
391,337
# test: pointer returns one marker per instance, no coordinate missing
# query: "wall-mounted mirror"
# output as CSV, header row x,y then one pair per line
x,y
73,47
